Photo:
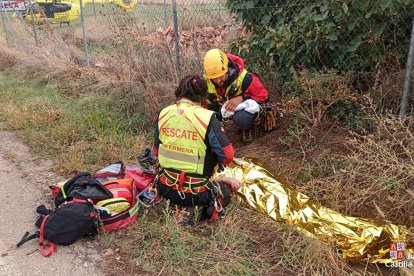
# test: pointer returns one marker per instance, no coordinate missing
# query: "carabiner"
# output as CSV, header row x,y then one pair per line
x,y
181,194
218,206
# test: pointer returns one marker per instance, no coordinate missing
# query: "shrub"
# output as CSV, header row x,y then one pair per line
x,y
342,35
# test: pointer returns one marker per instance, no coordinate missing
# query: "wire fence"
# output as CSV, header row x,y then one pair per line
x,y
327,35
107,23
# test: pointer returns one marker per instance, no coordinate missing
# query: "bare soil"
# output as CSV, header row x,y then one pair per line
x,y
24,185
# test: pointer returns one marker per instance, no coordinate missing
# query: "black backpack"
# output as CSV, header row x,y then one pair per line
x,y
82,186
65,225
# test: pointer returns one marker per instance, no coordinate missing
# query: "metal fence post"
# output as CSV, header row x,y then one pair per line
x,y
408,73
10,25
219,9
33,23
177,39
3,20
165,13
94,8
85,41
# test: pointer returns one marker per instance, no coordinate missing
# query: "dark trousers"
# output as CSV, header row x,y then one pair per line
x,y
201,199
242,119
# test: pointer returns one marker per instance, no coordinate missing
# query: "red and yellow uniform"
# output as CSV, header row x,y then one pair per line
x,y
239,83
189,142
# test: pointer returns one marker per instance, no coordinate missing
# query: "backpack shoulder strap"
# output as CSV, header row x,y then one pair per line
x,y
27,238
42,246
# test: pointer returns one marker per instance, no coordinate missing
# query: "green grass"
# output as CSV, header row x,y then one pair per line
x,y
244,243
158,243
91,130
85,131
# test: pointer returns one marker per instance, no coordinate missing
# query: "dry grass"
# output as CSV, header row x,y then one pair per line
x,y
131,72
388,154
245,243
315,108
373,181
38,113
77,156
357,158
316,93
120,62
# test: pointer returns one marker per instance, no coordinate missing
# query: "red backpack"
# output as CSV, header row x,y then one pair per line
x,y
126,217
142,177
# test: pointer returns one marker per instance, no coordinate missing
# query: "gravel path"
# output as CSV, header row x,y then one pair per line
x,y
24,181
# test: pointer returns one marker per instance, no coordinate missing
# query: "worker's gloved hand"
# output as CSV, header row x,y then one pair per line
x,y
270,121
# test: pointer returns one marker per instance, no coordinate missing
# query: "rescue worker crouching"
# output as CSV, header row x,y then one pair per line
x,y
190,142
233,91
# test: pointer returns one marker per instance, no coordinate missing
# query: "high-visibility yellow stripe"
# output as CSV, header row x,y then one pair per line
x,y
188,158
201,122
200,136
134,209
183,152
237,82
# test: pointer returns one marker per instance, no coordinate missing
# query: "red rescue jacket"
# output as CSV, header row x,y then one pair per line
x,y
251,86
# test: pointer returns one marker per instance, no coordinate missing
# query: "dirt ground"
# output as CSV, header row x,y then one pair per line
x,y
24,186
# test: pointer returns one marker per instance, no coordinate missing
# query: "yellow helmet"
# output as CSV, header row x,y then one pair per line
x,y
215,63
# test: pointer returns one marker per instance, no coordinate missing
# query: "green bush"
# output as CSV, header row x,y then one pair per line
x,y
345,35
350,114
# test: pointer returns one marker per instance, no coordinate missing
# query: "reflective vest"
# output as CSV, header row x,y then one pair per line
x,y
182,129
233,90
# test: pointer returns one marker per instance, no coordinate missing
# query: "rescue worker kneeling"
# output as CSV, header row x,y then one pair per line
x,y
190,142
235,93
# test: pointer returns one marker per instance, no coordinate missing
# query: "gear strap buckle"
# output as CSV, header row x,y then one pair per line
x,y
216,200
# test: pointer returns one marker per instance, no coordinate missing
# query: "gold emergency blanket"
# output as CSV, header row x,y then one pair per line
x,y
357,239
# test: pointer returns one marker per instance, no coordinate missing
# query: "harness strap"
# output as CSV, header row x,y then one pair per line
x,y
188,180
77,200
186,189
214,216
182,180
27,238
42,246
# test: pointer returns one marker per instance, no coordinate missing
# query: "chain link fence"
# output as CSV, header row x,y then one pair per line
x,y
277,36
149,21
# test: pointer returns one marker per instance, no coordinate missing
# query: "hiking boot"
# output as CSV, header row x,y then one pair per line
x,y
247,136
187,215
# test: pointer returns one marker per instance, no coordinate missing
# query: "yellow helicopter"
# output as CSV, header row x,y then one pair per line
x,y
66,11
